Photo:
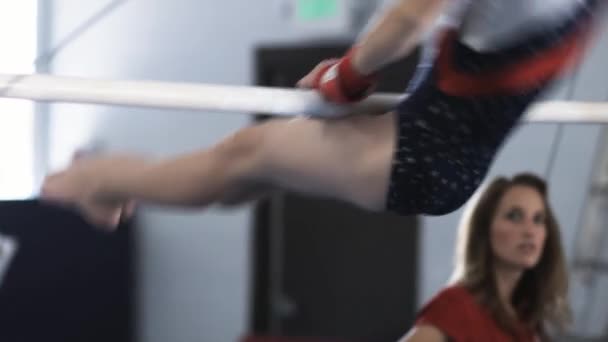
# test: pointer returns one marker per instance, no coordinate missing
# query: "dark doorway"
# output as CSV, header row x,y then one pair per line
x,y
321,267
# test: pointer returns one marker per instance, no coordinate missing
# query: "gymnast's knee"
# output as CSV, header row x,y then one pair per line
x,y
244,148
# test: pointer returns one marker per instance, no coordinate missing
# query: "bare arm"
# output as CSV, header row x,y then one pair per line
x,y
396,33
424,333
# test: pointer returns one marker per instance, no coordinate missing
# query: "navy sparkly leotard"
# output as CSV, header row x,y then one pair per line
x,y
464,107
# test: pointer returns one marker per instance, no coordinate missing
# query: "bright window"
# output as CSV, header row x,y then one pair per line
x,y
18,36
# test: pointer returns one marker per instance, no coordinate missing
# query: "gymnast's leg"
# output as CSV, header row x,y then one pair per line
x,y
347,159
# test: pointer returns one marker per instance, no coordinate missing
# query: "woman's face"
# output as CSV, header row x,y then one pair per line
x,y
518,229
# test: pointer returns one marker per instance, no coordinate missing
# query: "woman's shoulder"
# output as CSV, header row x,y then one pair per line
x,y
448,301
451,310
453,294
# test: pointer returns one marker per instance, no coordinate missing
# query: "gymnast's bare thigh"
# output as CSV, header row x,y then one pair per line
x,y
347,159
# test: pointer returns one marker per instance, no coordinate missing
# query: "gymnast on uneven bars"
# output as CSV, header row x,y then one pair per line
x,y
427,155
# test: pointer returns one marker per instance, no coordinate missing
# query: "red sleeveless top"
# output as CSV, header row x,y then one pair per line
x,y
457,314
